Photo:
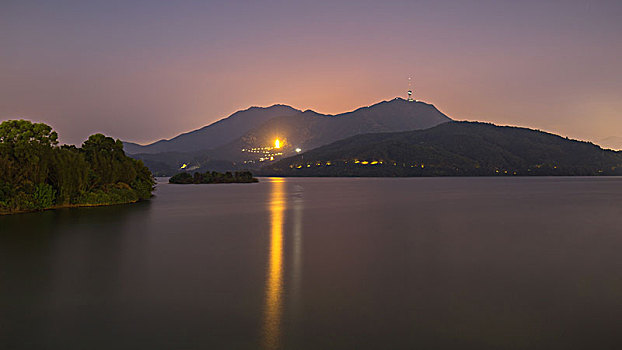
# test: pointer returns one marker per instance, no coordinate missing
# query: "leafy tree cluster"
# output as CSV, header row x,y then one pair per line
x,y
36,173
213,178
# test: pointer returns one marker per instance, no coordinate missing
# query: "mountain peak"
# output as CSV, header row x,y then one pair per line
x,y
384,116
215,134
400,108
274,106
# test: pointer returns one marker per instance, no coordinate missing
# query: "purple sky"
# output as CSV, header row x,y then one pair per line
x,y
146,70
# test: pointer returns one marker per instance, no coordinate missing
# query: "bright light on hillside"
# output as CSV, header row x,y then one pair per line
x,y
277,143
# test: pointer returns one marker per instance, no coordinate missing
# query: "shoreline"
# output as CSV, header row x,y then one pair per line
x,y
212,183
64,206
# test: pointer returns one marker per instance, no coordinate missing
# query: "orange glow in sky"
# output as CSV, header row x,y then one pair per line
x,y
142,73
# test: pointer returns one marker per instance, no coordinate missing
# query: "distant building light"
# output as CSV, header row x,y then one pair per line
x,y
298,150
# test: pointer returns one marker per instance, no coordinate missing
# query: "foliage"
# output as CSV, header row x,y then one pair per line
x,y
36,174
43,196
213,178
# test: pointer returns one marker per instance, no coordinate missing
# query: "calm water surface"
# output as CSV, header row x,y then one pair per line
x,y
429,263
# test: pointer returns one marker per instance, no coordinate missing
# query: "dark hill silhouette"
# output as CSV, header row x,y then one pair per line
x,y
215,134
453,149
308,130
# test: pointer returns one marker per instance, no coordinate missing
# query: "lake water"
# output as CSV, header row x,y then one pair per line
x,y
299,263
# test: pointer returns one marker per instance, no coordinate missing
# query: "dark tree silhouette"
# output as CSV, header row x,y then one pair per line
x,y
35,173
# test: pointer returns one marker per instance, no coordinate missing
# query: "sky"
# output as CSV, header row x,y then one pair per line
x,y
146,70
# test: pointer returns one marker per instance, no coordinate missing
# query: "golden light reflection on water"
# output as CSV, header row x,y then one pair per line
x,y
274,280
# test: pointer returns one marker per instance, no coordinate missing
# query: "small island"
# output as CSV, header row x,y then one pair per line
x,y
213,177
37,174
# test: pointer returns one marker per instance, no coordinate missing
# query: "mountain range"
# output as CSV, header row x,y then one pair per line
x,y
227,144
308,130
453,149
390,138
215,134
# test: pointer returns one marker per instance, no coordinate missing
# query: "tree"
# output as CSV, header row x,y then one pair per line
x,y
15,132
69,174
25,148
36,174
108,161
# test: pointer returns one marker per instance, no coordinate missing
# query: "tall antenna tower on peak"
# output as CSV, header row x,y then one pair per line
x,y
410,91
